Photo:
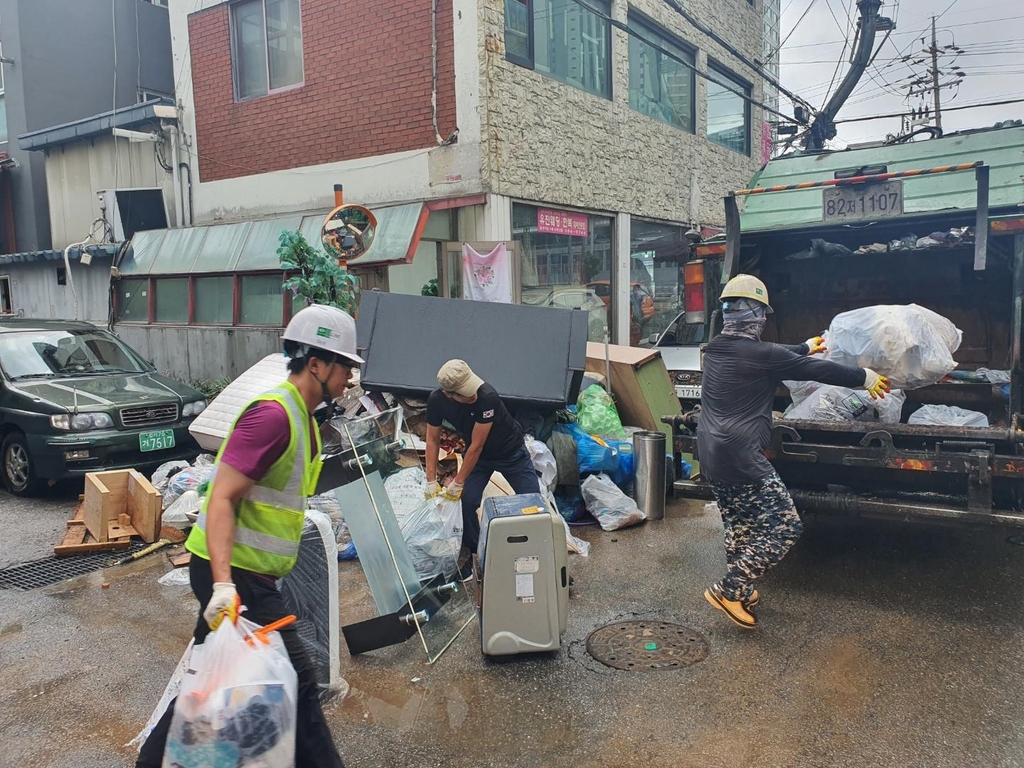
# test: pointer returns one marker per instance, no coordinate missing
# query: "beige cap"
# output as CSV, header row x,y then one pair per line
x,y
456,376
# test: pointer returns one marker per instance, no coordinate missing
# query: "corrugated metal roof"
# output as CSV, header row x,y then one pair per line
x,y
26,257
1001,149
252,245
125,117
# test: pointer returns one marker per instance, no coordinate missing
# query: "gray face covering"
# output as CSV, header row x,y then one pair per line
x,y
744,318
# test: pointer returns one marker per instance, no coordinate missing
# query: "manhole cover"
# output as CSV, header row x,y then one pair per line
x,y
50,570
646,646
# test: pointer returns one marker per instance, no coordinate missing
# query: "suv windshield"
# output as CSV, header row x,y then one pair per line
x,y
40,354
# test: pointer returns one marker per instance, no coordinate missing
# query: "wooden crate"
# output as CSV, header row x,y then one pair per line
x,y
121,503
78,540
640,383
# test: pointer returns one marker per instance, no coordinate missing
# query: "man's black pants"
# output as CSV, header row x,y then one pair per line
x,y
520,473
314,746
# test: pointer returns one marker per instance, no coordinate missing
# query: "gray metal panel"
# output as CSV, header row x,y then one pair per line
x,y
529,354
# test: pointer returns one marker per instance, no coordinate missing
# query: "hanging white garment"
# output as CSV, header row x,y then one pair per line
x,y
487,277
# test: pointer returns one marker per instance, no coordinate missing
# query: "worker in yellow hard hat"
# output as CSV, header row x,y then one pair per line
x,y
740,377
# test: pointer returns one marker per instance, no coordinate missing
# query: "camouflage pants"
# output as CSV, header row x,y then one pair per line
x,y
761,526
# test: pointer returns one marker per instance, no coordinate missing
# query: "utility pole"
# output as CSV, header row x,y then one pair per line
x,y
935,78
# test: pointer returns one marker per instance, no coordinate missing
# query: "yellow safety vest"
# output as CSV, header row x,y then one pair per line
x,y
268,522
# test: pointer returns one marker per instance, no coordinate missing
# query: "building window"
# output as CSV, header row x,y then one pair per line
x,y
657,255
171,300
214,300
562,39
3,105
133,300
566,262
262,300
659,85
266,46
6,303
728,112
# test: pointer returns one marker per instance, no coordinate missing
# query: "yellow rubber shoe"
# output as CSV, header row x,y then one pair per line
x,y
734,609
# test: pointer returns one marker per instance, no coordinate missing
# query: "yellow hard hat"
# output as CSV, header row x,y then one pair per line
x,y
746,287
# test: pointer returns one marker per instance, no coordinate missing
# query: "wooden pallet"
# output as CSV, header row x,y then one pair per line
x,y
78,540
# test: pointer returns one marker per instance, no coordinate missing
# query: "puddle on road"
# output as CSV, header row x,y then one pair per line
x,y
11,629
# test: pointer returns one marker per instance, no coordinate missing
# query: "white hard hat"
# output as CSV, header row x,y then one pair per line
x,y
326,328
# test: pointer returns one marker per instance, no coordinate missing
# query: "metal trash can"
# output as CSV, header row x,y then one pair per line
x,y
649,460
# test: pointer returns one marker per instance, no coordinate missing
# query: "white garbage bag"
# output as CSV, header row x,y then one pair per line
x,y
433,535
828,403
543,461
405,491
240,706
911,345
947,416
606,502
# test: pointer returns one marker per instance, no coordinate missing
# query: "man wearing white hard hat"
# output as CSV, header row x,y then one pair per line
x,y
248,532
734,429
494,443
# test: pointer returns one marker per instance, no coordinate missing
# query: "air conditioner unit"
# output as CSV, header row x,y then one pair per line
x,y
128,211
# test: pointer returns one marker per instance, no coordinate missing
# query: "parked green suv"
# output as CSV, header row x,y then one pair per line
x,y
75,399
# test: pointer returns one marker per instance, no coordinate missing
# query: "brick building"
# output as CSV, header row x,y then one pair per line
x,y
579,131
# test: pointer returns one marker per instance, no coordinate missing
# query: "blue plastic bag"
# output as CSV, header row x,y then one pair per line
x,y
573,509
591,455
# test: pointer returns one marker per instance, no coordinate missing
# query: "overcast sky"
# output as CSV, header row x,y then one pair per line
x,y
991,32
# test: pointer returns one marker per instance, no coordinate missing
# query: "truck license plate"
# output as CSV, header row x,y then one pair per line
x,y
688,392
156,441
860,202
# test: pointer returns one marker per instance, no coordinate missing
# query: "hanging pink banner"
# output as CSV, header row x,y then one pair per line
x,y
562,223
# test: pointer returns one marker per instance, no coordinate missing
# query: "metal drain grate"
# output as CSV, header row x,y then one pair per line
x,y
50,570
647,646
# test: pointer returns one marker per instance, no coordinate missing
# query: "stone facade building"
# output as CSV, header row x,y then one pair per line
x,y
587,135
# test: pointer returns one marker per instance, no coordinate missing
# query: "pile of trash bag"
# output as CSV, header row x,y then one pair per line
x,y
910,345
947,416
827,403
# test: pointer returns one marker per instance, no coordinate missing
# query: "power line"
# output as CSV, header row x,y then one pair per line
x,y
807,10
866,118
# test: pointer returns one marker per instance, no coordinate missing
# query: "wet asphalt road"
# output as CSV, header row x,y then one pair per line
x,y
880,644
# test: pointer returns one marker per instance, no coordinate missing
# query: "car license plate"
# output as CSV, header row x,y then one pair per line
x,y
688,392
860,202
156,441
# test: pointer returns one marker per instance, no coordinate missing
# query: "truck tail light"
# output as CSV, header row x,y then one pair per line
x,y
693,287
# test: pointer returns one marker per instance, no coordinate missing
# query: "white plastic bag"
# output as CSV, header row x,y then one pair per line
x,y
183,512
177,578
238,706
947,416
828,403
543,461
911,345
405,491
612,508
433,535
170,694
162,475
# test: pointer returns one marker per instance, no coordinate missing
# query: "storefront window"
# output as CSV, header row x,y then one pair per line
x,y
418,278
657,254
566,262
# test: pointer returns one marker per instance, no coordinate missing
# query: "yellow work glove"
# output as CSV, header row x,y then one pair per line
x,y
876,385
453,492
816,345
433,490
224,602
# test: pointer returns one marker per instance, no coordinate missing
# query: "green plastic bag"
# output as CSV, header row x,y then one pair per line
x,y
596,413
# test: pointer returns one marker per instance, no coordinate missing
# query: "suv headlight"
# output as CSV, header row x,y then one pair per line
x,y
81,422
193,409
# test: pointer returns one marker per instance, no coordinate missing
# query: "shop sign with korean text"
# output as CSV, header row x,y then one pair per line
x,y
562,223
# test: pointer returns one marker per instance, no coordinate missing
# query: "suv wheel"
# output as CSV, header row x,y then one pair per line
x,y
18,472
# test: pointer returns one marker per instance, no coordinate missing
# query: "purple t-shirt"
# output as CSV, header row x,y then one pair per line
x,y
260,438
